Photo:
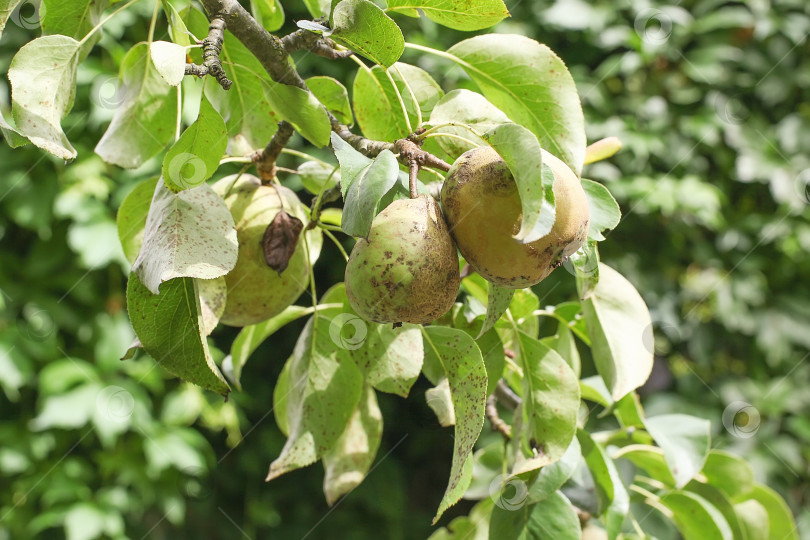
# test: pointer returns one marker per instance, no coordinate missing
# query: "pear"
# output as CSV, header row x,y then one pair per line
x,y
481,202
256,292
407,269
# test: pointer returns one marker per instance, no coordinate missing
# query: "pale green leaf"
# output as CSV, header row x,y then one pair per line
x,y
604,210
550,405
269,13
528,82
390,358
6,7
365,28
620,330
472,527
695,518
348,462
780,518
552,517
131,218
144,121
440,402
650,459
461,361
250,337
194,158
301,109
729,473
614,502
552,477
317,176
169,60
187,234
467,15
497,304
334,96
169,326
753,519
585,262
43,84
685,440
466,107
321,395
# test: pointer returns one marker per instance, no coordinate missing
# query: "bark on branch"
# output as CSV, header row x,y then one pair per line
x,y
301,40
265,160
212,47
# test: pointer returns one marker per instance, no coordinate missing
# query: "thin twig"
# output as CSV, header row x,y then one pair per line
x,y
212,48
494,418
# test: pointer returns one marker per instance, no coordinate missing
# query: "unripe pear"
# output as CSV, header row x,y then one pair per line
x,y
256,292
481,202
407,269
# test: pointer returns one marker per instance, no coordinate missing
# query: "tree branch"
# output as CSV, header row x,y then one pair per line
x,y
498,424
212,47
265,160
310,41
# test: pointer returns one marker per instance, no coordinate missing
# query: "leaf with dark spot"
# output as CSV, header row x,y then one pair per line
x,y
280,239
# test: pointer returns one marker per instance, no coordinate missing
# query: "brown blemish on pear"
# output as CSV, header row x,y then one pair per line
x,y
256,292
407,269
482,205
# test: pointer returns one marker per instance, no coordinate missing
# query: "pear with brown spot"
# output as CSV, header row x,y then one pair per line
x,y
481,202
407,269
256,292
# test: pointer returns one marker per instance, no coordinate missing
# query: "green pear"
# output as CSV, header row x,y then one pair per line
x,y
481,202
407,269
256,292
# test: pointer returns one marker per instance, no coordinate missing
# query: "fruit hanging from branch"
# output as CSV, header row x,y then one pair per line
x,y
256,291
407,270
482,205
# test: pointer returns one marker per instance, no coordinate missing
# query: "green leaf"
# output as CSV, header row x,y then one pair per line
x,y
390,358
169,60
144,121
348,462
194,158
269,12
552,477
614,502
43,84
170,328
463,366
718,499
695,518
201,219
565,345
365,28
323,393
250,337
520,150
650,458
620,329
334,96
467,15
73,19
550,405
529,83
6,7
753,519
472,527
780,519
13,137
685,440
301,109
463,106
497,304
177,27
377,105
605,212
585,262
131,218
491,348
553,517
628,411
440,401
317,176
318,8
363,187
729,473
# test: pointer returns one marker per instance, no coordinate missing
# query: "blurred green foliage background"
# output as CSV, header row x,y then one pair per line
x,y
712,101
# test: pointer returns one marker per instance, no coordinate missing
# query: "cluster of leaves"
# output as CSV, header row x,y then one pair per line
x,y
325,398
